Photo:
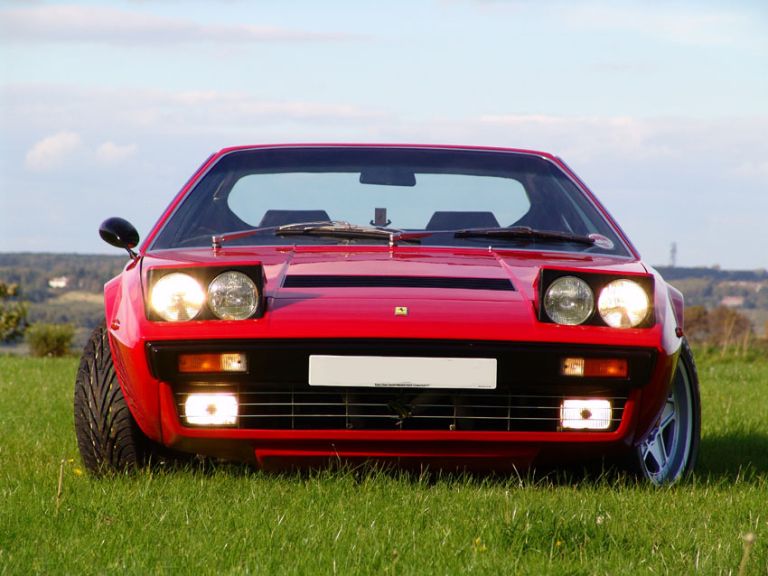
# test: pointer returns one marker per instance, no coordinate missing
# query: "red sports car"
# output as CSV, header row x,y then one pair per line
x,y
439,305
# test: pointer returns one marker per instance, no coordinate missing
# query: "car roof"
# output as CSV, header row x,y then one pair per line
x,y
476,148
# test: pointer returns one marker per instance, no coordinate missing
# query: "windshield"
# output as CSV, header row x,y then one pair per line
x,y
436,191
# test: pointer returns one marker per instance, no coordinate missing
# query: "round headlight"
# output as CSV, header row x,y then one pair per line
x,y
623,304
177,297
569,300
233,296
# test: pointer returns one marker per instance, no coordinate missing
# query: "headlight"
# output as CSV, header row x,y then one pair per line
x,y
233,296
569,300
177,297
623,304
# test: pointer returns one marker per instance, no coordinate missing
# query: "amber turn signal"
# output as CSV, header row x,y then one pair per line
x,y
208,363
595,367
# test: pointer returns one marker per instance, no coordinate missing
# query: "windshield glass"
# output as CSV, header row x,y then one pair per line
x,y
439,191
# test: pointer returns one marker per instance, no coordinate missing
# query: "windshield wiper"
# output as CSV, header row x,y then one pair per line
x,y
341,229
524,233
218,239
331,228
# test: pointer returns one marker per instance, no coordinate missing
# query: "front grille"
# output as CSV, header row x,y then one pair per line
x,y
296,407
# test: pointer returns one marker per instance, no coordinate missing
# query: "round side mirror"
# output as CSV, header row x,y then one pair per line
x,y
119,233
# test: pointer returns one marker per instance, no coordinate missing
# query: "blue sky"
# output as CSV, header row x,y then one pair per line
x,y
661,106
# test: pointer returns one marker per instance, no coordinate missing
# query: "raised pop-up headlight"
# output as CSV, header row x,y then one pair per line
x,y
623,304
233,296
569,300
177,297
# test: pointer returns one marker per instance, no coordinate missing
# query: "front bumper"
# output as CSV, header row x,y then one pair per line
x,y
282,418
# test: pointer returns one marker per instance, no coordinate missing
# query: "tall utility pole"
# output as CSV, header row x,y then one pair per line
x,y
673,255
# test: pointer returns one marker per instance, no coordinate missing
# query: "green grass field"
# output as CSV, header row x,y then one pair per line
x,y
233,520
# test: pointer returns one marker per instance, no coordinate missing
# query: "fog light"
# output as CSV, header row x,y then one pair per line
x,y
211,409
595,367
202,363
593,414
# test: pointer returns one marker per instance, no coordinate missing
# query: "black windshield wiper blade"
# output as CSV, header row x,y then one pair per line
x,y
332,228
524,233
218,239
340,229
298,228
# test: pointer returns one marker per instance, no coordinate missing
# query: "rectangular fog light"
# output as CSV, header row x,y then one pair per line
x,y
218,409
212,363
591,414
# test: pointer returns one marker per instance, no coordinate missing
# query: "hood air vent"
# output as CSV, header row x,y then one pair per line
x,y
306,281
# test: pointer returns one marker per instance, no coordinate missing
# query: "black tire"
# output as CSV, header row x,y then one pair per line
x,y
107,435
670,450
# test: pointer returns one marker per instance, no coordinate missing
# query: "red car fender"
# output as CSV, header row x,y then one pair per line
x,y
122,297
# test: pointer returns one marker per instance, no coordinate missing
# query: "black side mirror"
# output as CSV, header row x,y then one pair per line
x,y
119,233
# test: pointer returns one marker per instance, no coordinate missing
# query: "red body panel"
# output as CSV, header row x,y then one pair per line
x,y
325,313
322,313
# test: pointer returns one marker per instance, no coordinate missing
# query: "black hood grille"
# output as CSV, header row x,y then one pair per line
x,y
327,281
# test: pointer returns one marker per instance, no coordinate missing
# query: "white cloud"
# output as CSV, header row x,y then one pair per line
x,y
94,24
241,105
697,26
53,151
586,138
229,116
687,23
664,178
754,169
109,152
67,148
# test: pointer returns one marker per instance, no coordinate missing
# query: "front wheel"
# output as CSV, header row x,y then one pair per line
x,y
107,435
669,452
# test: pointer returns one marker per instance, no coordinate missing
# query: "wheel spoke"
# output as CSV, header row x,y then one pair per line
x,y
656,451
656,448
668,416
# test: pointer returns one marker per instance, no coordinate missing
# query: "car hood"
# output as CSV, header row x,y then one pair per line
x,y
414,292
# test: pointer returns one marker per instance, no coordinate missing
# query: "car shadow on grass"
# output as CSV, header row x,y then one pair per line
x,y
734,456
363,471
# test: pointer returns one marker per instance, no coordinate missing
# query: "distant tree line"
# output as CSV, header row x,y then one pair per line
x,y
706,320
86,273
711,293
672,273
80,314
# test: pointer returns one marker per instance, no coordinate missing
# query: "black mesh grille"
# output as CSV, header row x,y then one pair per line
x,y
302,408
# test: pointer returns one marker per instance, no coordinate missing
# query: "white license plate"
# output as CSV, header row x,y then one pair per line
x,y
402,372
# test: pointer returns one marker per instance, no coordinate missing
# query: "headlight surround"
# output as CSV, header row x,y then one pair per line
x,y
623,304
177,297
569,300
204,293
233,295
